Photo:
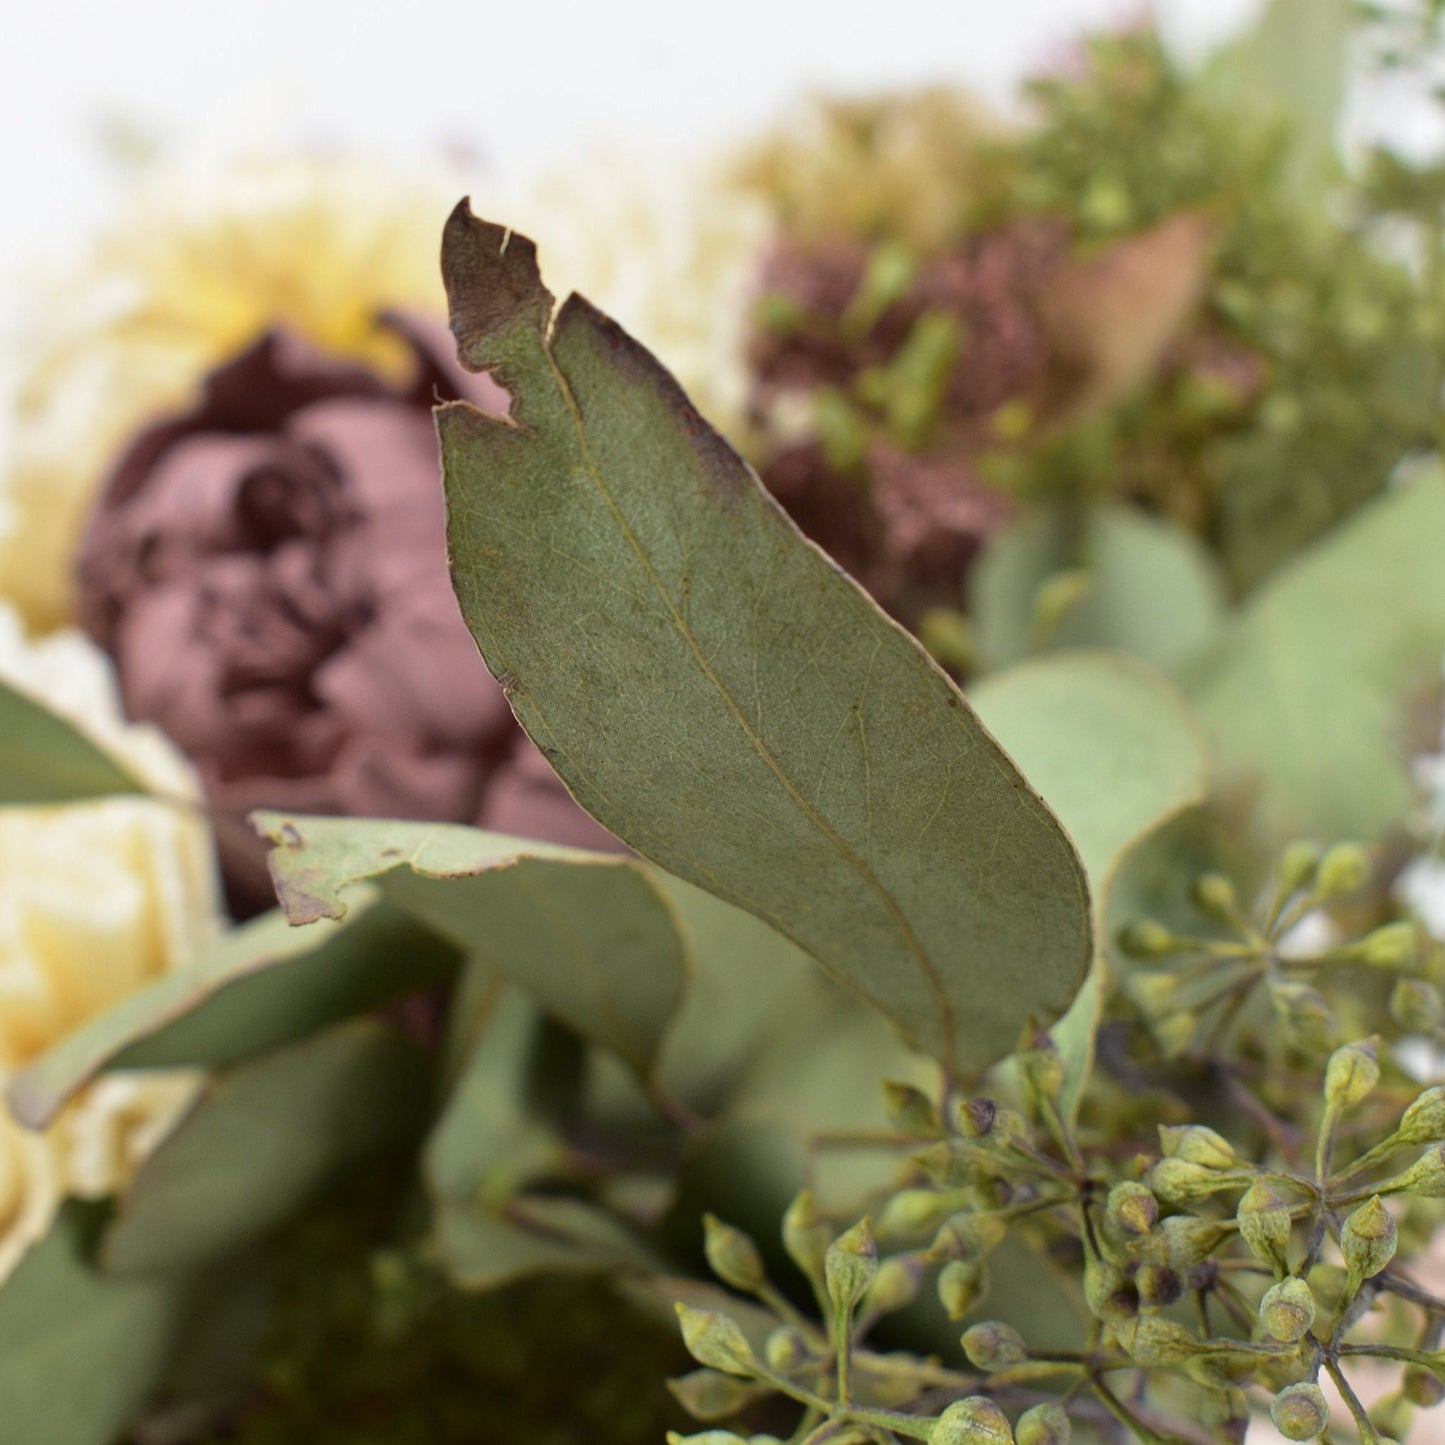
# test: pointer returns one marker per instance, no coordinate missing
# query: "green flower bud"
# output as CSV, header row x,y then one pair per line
x,y
707,1395
1301,1009
1297,868
1158,1285
981,1119
1425,1178
993,1345
1214,896
1178,1181
1392,946
734,1258
894,1287
1111,1294
1265,1225
1188,1242
1367,1242
786,1350
1424,1121
912,1212
911,1111
1046,1424
1156,1342
1197,1145
962,1286
1344,869
1300,1412
968,1236
1226,1414
1287,1310
1351,1074
1423,1387
714,1340
975,1420
1041,1068
1416,1005
806,1235
1132,1209
1145,939
849,1265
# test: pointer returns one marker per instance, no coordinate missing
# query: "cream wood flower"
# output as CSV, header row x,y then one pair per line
x,y
96,900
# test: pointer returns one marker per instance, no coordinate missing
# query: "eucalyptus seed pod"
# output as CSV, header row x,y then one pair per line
x,y
709,1395
912,1212
1265,1225
1425,1178
968,1236
806,1236
1132,1208
1287,1310
993,1345
911,1111
786,1350
1367,1241
1344,869
1300,1412
733,1256
894,1287
1178,1181
1188,1241
1197,1144
962,1286
1352,1072
1226,1414
1145,939
975,1420
1416,1005
1297,868
1423,1387
1302,1011
708,1437
1110,1293
1041,1071
1156,1342
713,1339
1424,1121
1213,895
1175,1032
982,1120
850,1264
1046,1424
1158,1285
1391,946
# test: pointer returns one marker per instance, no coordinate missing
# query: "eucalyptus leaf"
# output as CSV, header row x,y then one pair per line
x,y
720,696
1308,693
1119,753
80,1351
262,985
1140,585
588,935
263,1140
48,760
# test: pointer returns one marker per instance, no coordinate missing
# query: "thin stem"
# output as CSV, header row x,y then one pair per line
x,y
1368,1433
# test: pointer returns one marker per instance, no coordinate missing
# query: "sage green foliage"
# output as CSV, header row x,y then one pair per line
x,y
589,935
47,760
1145,587
264,1139
259,987
1307,694
81,1351
719,695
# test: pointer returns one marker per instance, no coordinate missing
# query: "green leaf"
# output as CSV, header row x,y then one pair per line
x,y
47,760
1118,752
1142,586
534,1234
80,1351
588,935
1307,695
262,985
263,1139
720,696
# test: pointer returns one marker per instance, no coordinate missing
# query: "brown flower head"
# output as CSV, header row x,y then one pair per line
x,y
269,573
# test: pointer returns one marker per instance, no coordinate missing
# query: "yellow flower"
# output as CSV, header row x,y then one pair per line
x,y
96,900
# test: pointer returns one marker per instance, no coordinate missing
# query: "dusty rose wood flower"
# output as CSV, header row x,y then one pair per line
x,y
269,573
